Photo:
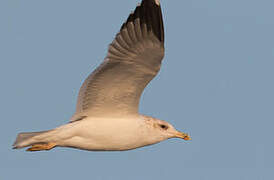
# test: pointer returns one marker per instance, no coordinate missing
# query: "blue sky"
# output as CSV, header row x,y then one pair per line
x,y
216,83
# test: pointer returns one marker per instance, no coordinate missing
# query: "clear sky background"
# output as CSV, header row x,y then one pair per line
x,y
216,83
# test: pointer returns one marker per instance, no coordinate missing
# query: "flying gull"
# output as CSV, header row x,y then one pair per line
x,y
107,117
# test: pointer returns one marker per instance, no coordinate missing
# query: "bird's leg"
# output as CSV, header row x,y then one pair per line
x,y
42,146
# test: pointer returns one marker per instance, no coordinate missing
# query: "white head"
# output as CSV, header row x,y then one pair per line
x,y
160,130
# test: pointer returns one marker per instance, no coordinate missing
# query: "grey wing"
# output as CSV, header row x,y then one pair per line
x,y
133,60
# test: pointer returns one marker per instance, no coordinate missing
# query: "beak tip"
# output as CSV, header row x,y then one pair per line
x,y
187,138
183,136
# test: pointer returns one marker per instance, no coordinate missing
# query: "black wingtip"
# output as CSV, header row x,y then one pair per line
x,y
149,12
154,17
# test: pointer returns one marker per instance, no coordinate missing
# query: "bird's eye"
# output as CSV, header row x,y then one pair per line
x,y
163,126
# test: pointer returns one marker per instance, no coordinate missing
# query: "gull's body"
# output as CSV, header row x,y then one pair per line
x,y
107,116
127,133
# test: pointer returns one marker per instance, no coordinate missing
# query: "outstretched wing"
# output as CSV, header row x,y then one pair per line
x,y
133,60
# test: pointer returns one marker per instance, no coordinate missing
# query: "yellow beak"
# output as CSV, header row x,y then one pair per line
x,y
183,136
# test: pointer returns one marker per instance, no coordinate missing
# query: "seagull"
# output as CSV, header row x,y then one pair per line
x,y
107,116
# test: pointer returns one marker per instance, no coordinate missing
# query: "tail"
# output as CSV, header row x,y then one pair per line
x,y
37,141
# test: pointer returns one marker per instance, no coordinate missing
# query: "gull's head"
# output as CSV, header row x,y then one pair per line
x,y
163,130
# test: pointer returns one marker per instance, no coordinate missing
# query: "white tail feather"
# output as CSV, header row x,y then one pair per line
x,y
27,139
